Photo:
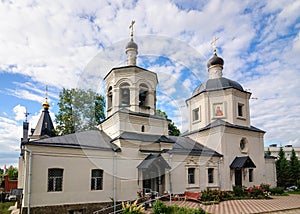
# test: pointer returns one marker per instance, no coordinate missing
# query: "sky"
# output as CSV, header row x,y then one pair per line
x,y
74,44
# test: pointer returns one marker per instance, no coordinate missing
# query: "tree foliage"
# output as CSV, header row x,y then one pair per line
x,y
79,110
12,173
288,172
282,169
294,168
173,130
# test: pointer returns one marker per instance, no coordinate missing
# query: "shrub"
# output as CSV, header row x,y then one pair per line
x,y
277,191
160,207
132,208
239,191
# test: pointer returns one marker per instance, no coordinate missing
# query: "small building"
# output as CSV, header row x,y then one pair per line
x,y
274,149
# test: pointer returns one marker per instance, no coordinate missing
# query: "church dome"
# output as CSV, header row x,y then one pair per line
x,y
215,60
217,84
131,45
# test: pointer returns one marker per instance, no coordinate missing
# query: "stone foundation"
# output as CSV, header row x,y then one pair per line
x,y
87,208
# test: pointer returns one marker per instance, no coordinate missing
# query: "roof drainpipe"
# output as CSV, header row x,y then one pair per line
x,y
29,179
115,183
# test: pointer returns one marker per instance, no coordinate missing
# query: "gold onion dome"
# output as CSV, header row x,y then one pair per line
x,y
46,105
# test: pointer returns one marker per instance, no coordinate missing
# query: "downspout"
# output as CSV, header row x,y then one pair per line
x,y
220,175
115,183
29,179
170,179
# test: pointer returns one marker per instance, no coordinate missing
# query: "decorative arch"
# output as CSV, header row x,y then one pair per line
x,y
109,98
124,94
143,95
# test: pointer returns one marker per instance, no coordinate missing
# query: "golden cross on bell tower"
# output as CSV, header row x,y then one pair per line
x,y
214,43
131,28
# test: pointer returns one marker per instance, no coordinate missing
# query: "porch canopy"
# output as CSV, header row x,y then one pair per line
x,y
153,165
242,162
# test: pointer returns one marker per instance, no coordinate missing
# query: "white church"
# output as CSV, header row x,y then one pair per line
x,y
132,151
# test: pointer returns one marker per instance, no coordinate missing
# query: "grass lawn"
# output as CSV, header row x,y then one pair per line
x,y
4,207
294,192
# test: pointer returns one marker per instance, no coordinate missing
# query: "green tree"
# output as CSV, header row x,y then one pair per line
x,y
268,152
282,169
12,173
173,130
1,174
79,110
294,168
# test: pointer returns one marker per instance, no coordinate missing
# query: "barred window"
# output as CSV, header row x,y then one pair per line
x,y
55,180
97,179
191,175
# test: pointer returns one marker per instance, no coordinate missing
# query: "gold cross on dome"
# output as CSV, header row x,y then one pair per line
x,y
214,43
131,28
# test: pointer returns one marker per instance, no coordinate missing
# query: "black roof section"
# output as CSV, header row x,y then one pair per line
x,y
220,122
44,126
187,146
154,161
242,162
144,137
269,156
217,84
92,139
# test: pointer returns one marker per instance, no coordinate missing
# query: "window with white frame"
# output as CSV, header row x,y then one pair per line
x,y
210,172
196,114
250,175
124,94
55,179
240,110
97,179
143,95
191,175
109,98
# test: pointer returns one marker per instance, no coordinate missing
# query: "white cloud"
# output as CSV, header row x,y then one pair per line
x,y
20,112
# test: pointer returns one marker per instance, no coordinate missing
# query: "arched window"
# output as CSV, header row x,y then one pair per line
x,y
143,95
109,98
143,128
124,94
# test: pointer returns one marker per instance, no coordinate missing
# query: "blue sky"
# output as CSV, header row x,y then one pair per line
x,y
63,43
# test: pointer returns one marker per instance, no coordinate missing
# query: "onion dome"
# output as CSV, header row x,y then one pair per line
x,y
131,45
46,105
215,61
217,84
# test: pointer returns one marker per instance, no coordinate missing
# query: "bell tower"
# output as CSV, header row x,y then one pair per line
x,y
132,90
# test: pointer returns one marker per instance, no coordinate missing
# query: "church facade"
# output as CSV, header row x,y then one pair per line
x,y
132,151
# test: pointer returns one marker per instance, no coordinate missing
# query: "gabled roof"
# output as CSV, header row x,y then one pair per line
x,y
242,162
92,139
155,161
144,137
44,126
187,146
220,122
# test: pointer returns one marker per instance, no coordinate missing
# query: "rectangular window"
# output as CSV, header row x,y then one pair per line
x,y
191,175
210,175
55,180
240,110
97,179
250,175
196,114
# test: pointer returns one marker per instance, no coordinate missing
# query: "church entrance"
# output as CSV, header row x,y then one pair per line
x,y
153,169
238,177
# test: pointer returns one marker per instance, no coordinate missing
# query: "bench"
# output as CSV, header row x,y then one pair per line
x,y
195,196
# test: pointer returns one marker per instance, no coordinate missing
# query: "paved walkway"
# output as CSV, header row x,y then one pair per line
x,y
279,204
